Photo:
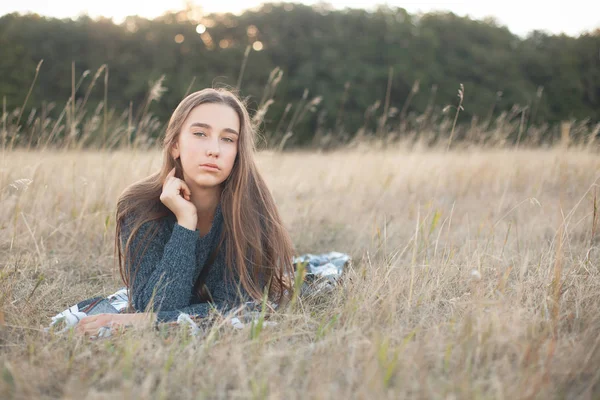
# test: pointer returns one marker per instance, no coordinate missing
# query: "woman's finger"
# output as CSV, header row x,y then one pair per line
x,y
186,190
170,175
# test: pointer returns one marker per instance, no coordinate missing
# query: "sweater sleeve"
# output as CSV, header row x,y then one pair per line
x,y
166,271
227,295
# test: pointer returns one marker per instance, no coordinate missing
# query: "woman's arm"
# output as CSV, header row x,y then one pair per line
x,y
166,271
227,295
92,323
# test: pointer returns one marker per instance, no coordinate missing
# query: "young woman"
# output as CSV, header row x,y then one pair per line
x,y
203,231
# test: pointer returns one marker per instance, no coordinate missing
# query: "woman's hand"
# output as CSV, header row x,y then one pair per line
x,y
176,195
90,325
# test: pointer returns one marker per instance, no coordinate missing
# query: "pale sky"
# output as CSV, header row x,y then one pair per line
x,y
554,16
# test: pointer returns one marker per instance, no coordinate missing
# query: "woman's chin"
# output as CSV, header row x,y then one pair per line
x,y
207,183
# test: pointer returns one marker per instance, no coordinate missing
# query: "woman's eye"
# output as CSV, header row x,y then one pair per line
x,y
228,140
199,133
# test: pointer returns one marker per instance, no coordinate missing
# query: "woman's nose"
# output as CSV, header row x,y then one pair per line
x,y
214,149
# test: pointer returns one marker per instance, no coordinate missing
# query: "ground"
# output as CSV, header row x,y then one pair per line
x,y
475,274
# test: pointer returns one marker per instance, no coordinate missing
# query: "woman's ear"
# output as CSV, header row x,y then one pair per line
x,y
175,151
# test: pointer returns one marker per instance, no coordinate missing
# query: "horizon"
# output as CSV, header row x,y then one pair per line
x,y
572,21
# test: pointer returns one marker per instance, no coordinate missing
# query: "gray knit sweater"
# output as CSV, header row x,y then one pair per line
x,y
170,266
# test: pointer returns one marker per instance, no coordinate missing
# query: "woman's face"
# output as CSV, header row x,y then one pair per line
x,y
209,135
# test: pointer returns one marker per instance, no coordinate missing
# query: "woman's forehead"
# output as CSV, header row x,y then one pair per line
x,y
217,116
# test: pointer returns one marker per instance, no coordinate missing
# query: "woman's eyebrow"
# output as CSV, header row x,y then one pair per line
x,y
203,125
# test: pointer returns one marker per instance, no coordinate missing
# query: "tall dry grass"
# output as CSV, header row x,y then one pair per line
x,y
83,124
475,275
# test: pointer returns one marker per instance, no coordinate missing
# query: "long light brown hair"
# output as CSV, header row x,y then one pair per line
x,y
258,246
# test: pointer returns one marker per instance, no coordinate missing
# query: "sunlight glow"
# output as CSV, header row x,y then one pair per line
x,y
200,29
257,46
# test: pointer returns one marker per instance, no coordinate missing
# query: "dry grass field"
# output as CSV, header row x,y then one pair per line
x,y
475,275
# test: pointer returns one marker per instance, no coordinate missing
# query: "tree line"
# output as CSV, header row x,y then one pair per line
x,y
308,69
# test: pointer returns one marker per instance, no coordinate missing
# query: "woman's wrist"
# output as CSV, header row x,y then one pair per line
x,y
138,319
188,223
